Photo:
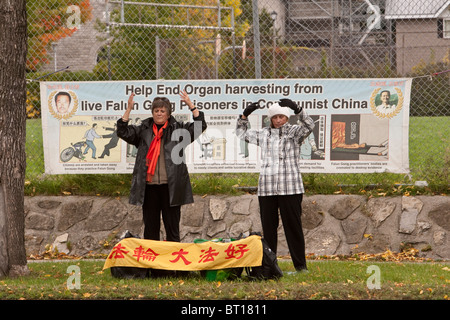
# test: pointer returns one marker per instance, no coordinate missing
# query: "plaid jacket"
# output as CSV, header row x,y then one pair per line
x,y
280,153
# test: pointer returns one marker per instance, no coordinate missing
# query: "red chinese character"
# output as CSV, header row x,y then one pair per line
x,y
149,255
232,252
208,255
180,254
118,252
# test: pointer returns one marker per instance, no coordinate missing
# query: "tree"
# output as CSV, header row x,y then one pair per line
x,y
183,52
49,22
13,54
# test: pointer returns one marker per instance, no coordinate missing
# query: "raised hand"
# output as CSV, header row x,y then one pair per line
x,y
250,108
126,115
290,104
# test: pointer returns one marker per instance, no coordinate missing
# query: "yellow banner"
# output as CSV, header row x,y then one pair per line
x,y
132,252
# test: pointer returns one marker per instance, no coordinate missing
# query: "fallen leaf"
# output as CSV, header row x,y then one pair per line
x,y
269,292
313,295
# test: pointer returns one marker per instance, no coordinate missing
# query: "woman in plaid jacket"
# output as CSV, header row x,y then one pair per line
x,y
280,183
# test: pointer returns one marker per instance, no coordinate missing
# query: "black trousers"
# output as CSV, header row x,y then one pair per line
x,y
290,207
156,201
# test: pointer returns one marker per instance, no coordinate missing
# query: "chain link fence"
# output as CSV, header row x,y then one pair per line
x,y
245,39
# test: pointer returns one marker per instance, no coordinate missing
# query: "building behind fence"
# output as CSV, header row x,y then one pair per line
x,y
213,39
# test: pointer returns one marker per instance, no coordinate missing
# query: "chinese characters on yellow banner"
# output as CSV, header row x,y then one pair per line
x,y
166,255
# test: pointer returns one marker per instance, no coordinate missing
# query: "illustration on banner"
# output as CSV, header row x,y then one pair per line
x,y
88,138
359,137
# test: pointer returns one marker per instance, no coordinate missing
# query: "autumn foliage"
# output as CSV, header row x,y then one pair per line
x,y
48,23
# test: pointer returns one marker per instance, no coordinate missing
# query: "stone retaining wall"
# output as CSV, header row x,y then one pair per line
x,y
332,224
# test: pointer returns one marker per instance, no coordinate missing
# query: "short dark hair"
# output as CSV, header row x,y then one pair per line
x,y
63,93
162,102
385,91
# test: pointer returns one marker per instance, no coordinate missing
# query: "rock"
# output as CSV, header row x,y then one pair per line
x,y
192,214
379,209
312,214
218,208
344,207
189,237
242,206
39,221
410,210
48,204
240,227
216,228
108,217
441,215
378,243
86,245
439,238
33,243
73,212
354,229
60,243
423,226
62,238
322,242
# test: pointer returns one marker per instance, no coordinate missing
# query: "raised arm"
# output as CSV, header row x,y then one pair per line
x,y
126,115
185,98
128,133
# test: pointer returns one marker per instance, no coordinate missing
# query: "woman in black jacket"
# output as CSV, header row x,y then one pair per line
x,y
160,180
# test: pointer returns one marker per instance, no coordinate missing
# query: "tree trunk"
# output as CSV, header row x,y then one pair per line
x,y
13,53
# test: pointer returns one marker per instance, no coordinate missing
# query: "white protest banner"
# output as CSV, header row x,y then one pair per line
x,y
361,124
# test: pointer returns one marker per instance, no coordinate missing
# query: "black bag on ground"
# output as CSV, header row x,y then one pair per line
x,y
269,268
129,272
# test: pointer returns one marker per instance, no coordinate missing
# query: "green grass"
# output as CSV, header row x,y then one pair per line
x,y
429,154
333,280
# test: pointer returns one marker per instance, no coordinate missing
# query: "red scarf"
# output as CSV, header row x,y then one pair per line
x,y
154,150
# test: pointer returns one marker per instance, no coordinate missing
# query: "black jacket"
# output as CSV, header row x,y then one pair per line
x,y
177,136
